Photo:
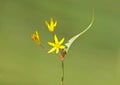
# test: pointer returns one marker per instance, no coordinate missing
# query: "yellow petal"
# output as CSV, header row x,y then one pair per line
x,y
61,41
36,32
52,44
55,39
51,21
57,50
33,35
51,50
46,23
55,24
48,26
62,46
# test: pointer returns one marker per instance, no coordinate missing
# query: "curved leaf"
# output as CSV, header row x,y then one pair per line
x,y
70,41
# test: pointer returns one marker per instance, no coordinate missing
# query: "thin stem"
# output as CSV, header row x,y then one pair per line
x,y
43,47
62,78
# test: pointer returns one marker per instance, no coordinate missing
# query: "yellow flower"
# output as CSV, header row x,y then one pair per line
x,y
56,45
52,25
35,37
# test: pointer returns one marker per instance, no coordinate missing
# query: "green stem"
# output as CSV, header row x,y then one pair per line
x,y
62,78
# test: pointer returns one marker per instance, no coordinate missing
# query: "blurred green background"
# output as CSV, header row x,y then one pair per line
x,y
94,58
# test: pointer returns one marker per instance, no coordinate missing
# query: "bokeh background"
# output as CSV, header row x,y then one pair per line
x,y
93,59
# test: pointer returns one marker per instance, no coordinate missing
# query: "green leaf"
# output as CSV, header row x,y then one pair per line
x,y
70,41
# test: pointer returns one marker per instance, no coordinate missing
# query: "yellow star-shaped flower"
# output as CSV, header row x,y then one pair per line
x,y
35,37
56,45
52,25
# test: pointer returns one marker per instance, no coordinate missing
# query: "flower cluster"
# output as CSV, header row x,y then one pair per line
x,y
56,45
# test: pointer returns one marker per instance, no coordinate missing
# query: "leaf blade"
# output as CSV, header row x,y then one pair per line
x,y
71,40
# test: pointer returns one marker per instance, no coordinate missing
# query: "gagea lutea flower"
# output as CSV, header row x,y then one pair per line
x,y
35,37
52,25
57,45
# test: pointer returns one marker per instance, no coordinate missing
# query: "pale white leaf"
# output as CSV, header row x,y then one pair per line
x,y
70,41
